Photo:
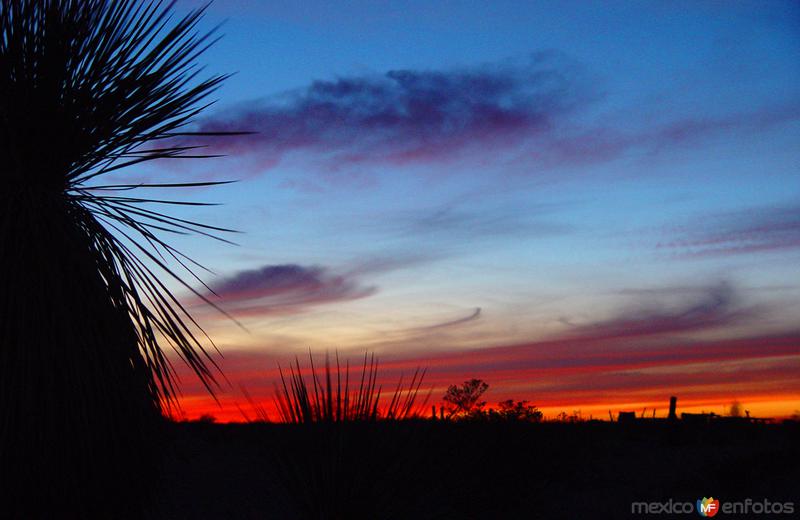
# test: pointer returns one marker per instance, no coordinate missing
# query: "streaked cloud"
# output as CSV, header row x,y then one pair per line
x,y
715,308
623,135
472,316
750,230
662,315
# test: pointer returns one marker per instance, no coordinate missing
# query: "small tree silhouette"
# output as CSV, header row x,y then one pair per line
x,y
464,400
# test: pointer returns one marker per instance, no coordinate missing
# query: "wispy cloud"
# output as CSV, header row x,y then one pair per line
x,y
661,316
474,315
644,338
750,230
459,221
716,307
618,137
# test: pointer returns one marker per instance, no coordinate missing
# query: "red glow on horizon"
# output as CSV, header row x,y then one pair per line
x,y
561,375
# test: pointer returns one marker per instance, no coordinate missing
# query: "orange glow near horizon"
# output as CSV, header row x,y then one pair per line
x,y
586,375
776,407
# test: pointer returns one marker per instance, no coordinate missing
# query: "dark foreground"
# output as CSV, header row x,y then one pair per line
x,y
446,470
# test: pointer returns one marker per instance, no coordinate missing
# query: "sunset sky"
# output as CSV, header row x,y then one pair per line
x,y
589,205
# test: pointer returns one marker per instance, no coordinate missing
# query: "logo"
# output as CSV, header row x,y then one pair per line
x,y
707,507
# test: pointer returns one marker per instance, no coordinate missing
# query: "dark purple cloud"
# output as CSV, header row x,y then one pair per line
x,y
288,288
528,117
407,116
750,230
293,288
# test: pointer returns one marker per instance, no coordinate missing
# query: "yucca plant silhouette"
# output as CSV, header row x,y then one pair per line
x,y
89,87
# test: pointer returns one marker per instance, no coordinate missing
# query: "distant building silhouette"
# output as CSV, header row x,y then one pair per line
x,y
629,417
626,417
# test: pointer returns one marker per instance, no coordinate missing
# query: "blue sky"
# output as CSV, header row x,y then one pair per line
x,y
440,177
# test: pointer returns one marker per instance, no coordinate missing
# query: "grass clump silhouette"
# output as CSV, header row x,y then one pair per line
x,y
347,446
299,401
86,88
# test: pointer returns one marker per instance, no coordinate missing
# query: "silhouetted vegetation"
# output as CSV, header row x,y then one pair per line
x,y
511,410
575,417
338,400
88,88
350,441
464,400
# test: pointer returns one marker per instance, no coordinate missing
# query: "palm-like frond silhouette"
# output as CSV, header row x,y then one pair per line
x,y
87,88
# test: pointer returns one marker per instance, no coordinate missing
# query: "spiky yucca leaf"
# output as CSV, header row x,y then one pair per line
x,y
299,401
353,447
88,87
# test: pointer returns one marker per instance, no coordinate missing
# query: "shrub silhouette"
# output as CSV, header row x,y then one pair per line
x,y
517,411
87,87
575,417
